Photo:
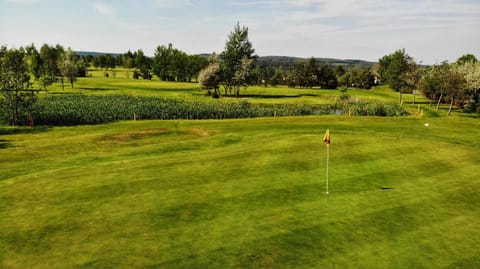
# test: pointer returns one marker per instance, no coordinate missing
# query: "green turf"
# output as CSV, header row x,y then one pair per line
x,y
242,194
99,85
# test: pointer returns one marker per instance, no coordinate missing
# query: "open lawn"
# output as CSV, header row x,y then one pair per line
x,y
242,194
99,85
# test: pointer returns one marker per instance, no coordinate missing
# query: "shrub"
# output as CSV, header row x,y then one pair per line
x,y
373,109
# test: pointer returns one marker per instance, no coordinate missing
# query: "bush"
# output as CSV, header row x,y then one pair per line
x,y
373,109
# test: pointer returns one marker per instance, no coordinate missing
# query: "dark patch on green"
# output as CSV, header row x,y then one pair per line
x,y
23,130
128,136
5,144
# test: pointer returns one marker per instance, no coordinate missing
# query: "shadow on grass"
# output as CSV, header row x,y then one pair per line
x,y
64,93
5,144
268,96
469,115
96,89
23,130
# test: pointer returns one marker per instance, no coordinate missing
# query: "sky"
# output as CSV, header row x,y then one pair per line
x,y
429,30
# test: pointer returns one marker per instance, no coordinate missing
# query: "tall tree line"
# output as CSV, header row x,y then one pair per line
x,y
168,64
454,84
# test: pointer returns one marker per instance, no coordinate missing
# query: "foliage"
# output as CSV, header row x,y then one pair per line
x,y
70,65
15,87
373,109
237,60
471,73
171,64
210,77
467,58
444,82
50,57
327,78
393,69
143,64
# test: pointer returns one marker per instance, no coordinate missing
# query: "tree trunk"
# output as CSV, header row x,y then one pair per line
x,y
414,94
63,83
401,97
15,110
439,100
450,109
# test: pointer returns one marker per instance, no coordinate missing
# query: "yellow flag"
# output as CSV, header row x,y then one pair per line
x,y
326,137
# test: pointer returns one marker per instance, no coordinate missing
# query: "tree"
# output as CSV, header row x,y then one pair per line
x,y
327,77
35,62
143,63
210,77
60,53
455,86
162,62
412,77
70,65
195,63
237,57
466,58
102,63
49,56
15,86
444,81
128,62
471,72
393,69
311,73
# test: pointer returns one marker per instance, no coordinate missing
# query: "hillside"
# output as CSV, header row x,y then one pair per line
x,y
274,61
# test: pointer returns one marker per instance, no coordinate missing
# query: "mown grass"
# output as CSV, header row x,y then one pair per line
x,y
242,194
97,84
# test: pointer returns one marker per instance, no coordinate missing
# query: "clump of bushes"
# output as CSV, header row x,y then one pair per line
x,y
373,109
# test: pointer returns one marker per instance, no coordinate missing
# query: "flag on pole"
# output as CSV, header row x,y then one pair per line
x,y
326,137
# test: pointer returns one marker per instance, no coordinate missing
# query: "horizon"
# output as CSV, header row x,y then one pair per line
x,y
429,31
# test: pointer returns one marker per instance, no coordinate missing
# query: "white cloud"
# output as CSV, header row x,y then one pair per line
x,y
104,9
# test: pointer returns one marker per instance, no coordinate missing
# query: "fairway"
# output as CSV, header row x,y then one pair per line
x,y
242,194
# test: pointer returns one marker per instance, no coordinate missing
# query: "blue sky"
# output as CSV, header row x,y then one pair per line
x,y
429,30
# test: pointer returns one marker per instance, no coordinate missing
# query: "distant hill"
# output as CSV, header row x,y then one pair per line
x,y
273,61
96,53
287,62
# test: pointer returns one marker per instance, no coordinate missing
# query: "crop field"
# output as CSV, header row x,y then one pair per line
x,y
244,193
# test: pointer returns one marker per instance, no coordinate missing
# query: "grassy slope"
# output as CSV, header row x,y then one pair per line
x,y
242,194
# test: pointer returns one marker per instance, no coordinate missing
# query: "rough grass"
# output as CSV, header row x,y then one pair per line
x,y
242,194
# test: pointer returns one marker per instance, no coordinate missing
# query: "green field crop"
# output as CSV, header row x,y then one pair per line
x,y
89,109
242,194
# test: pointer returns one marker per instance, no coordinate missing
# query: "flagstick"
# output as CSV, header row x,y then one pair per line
x,y
328,157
